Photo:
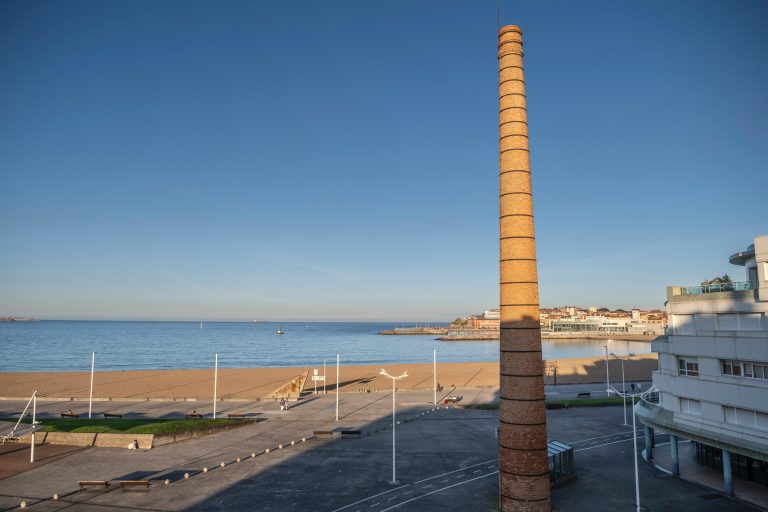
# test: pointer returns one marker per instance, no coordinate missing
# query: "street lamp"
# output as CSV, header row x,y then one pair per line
x,y
634,445
394,389
607,375
623,386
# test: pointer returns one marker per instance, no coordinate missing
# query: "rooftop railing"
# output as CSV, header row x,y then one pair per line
x,y
718,287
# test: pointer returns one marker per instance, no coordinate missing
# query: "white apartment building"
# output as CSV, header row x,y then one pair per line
x,y
713,372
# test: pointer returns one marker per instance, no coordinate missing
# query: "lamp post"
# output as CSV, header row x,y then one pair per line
x,y
90,393
215,383
434,374
623,385
634,444
394,389
607,375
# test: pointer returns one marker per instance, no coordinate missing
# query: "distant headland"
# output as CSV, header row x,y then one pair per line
x,y
17,319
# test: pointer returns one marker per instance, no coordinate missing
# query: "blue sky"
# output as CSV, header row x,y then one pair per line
x,y
339,160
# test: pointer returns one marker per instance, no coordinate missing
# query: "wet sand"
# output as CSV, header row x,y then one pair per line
x,y
255,383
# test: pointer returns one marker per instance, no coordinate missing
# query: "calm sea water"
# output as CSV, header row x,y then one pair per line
x,y
67,345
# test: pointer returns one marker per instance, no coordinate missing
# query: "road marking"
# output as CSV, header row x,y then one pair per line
x,y
408,492
600,437
370,498
490,467
443,481
427,486
477,471
438,490
375,504
454,471
392,498
605,444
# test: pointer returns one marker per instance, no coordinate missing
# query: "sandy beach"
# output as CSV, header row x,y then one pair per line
x,y
260,383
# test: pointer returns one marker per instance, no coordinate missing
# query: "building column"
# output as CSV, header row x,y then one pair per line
x,y
674,454
727,473
648,443
523,462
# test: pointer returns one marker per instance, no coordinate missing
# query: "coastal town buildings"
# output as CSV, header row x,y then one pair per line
x,y
573,319
712,380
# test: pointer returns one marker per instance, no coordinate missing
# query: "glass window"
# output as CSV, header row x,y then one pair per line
x,y
736,368
762,420
730,414
760,371
745,417
748,372
688,406
727,367
688,366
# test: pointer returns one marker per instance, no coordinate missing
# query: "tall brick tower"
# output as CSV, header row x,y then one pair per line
x,y
523,467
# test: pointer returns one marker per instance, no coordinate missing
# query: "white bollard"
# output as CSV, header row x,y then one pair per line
x,y
266,451
253,455
223,464
186,476
167,481
56,497
205,469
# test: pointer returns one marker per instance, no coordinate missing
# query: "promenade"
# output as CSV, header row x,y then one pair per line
x,y
446,461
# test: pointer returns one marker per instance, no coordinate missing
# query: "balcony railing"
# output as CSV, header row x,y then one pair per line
x,y
718,287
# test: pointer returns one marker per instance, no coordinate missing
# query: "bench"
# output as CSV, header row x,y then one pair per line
x,y
69,415
193,416
93,483
112,415
351,433
128,484
236,416
320,434
586,394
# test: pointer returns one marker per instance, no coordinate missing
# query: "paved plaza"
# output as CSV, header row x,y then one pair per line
x,y
446,460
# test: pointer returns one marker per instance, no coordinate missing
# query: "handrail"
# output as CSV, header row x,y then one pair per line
x,y
735,286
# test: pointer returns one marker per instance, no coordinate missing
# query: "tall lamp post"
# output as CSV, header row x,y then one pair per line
x,y
394,389
623,385
634,445
607,375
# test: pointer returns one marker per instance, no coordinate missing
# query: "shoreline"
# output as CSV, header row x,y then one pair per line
x,y
262,383
550,336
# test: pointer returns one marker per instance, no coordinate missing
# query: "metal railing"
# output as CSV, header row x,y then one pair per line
x,y
736,286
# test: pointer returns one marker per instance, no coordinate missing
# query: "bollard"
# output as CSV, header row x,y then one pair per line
x,y
23,504
292,443
205,469
56,497
186,476
167,481
223,464
303,439
280,446
237,459
253,455
266,451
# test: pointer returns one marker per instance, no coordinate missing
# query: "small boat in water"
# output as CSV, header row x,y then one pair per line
x,y
280,330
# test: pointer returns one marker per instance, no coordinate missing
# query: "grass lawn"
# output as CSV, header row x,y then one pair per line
x,y
576,402
133,426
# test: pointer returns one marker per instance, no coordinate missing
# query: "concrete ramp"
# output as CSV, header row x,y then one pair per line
x,y
293,388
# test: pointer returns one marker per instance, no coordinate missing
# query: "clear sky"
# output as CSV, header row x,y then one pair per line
x,y
339,160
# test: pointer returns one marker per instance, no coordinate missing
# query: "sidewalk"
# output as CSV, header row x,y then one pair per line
x,y
692,471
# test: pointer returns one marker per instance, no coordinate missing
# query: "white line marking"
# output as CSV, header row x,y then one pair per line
x,y
455,471
370,498
375,504
599,437
605,444
477,471
392,498
427,486
438,490
408,492
443,481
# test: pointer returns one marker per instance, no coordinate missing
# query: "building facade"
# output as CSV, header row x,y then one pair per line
x,y
712,379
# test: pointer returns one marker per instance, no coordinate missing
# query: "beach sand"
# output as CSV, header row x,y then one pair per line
x,y
255,383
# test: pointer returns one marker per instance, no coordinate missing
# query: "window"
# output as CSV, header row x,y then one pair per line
x,y
688,366
689,406
745,417
750,370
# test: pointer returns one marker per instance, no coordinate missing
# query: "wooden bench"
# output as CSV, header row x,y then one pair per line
x,y
93,483
69,415
112,415
129,484
320,434
236,416
193,416
584,395
351,433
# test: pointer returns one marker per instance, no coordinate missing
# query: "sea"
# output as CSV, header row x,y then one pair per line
x,y
49,345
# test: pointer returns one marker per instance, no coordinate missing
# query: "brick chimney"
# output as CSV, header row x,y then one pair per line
x,y
523,466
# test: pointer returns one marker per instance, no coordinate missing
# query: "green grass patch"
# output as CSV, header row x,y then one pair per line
x,y
131,426
575,402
